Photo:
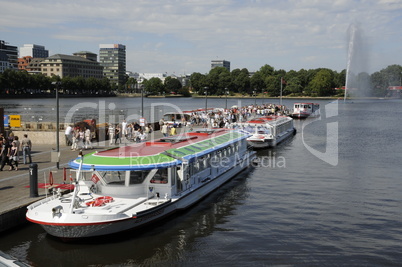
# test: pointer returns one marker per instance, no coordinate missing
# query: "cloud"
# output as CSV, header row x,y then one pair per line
x,y
285,34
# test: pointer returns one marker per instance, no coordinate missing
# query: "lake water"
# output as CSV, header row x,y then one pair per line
x,y
329,196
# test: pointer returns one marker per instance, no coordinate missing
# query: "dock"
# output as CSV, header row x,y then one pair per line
x,y
14,185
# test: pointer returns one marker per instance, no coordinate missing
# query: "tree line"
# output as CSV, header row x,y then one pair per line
x,y
313,82
219,81
17,82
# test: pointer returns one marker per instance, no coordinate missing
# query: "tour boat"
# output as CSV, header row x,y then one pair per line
x,y
304,110
128,187
267,131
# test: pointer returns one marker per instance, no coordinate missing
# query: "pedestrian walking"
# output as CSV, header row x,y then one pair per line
x,y
88,136
26,147
69,135
117,134
4,153
14,150
111,131
165,129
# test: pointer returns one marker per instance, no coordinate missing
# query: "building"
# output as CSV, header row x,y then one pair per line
x,y
87,55
220,63
113,59
34,65
11,52
4,64
34,51
72,66
23,62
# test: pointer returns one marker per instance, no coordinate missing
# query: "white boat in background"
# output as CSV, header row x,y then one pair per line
x,y
304,110
267,131
128,187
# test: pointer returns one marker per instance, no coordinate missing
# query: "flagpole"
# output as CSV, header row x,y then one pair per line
x,y
281,91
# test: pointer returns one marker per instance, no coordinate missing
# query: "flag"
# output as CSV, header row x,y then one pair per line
x,y
95,178
283,81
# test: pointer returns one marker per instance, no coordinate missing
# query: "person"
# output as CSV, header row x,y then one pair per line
x,y
143,136
111,131
74,145
18,143
69,135
4,153
117,134
81,138
124,128
14,155
26,147
88,137
164,129
148,129
173,130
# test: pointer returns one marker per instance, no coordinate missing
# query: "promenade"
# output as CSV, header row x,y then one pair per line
x,y
14,185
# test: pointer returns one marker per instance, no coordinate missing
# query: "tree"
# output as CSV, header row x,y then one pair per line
x,y
131,84
321,84
257,82
154,86
172,85
272,84
197,81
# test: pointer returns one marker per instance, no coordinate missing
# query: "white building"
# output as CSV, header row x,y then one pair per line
x,y
34,51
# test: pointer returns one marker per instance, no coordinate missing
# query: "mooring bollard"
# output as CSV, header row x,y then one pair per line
x,y
33,180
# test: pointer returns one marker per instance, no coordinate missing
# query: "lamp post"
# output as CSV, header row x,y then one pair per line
x,y
206,99
57,85
142,103
255,98
226,93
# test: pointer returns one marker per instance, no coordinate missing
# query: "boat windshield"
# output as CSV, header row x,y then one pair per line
x,y
118,177
253,129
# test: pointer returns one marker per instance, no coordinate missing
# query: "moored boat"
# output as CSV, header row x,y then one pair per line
x,y
304,110
267,131
128,187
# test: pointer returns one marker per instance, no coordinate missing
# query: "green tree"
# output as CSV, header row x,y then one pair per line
x,y
172,85
131,85
321,84
154,86
197,81
272,84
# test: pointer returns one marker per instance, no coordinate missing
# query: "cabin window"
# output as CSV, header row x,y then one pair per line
x,y
160,177
137,177
296,106
113,177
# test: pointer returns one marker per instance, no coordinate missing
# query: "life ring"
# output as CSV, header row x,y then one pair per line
x,y
100,201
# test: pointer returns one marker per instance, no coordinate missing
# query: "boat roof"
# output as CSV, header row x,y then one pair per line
x,y
304,103
161,153
266,119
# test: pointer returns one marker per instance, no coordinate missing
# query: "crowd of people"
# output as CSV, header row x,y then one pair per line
x,y
132,132
221,118
10,150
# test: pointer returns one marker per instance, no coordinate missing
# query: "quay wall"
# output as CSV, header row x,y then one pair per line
x,y
13,218
41,137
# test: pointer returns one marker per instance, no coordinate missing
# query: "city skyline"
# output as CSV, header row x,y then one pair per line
x,y
182,37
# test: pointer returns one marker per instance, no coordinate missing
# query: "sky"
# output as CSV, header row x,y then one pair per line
x,y
183,36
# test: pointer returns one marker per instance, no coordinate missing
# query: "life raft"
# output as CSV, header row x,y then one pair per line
x,y
100,201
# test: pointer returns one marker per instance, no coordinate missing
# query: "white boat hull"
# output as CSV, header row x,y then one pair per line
x,y
73,225
259,143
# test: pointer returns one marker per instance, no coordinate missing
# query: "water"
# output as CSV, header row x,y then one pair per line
x,y
293,209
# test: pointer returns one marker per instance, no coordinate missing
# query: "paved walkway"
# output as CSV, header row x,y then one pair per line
x,y
14,190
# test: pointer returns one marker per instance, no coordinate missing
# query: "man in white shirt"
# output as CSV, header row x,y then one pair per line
x,y
69,135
